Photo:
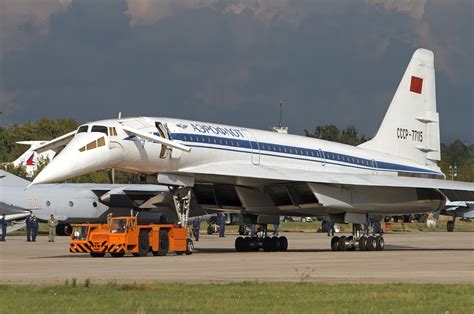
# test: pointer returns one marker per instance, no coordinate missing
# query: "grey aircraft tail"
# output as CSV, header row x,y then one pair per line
x,y
8,179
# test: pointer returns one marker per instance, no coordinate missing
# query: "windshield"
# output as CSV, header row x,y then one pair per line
x,y
99,128
80,233
83,129
118,225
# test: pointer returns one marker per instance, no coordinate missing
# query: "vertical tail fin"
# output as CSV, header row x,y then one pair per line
x,y
410,128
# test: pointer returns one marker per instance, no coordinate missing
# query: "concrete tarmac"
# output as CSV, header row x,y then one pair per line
x,y
431,257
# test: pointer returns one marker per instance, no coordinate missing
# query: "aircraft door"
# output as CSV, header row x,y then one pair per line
x,y
255,147
374,166
322,158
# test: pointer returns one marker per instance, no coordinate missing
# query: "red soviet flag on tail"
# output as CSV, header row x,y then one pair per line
x,y
416,84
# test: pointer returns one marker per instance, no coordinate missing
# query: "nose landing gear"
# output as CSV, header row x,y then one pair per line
x,y
358,241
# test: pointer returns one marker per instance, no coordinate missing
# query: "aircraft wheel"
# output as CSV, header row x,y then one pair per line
x,y
189,247
240,244
363,244
450,226
247,244
335,244
119,254
268,244
254,244
97,254
210,230
283,244
143,243
342,244
371,243
164,244
380,243
275,244
351,243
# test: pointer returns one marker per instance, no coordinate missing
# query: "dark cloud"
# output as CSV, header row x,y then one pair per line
x,y
234,61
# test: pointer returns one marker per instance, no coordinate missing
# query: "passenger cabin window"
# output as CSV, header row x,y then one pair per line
x,y
83,129
99,128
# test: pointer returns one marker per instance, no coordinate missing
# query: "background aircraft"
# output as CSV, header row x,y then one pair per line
x,y
265,174
78,203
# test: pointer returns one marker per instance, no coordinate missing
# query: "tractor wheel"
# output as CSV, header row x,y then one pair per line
x,y
143,243
164,244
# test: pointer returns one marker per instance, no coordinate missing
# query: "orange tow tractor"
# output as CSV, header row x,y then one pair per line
x,y
89,238
125,235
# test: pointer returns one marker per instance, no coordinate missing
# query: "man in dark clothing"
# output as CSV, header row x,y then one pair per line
x,y
196,228
34,228
28,228
3,223
221,219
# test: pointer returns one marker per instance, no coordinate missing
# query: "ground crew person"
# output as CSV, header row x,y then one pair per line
x,y
28,228
276,227
34,226
52,223
196,228
3,222
221,219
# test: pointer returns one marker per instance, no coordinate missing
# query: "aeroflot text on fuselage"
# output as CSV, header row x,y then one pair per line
x,y
208,129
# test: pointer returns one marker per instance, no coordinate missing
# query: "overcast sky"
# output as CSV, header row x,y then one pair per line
x,y
231,62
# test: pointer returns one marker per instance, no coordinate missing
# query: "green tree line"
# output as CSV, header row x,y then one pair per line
x,y
455,154
47,129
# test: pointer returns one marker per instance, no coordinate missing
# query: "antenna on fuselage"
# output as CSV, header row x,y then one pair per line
x,y
119,115
280,128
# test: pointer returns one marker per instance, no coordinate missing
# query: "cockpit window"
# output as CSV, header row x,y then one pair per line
x,y
83,129
99,128
118,225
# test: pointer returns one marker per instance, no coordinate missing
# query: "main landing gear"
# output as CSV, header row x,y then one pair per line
x,y
358,241
263,241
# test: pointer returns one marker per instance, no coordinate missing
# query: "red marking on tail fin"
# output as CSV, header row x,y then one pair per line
x,y
30,161
416,84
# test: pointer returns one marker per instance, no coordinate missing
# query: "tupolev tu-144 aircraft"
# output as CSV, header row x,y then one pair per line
x,y
264,174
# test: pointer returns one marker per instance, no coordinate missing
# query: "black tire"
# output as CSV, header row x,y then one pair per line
x,y
275,244
254,244
335,244
210,230
97,254
283,244
143,243
247,244
380,243
450,226
371,243
164,243
239,244
189,247
267,244
342,244
118,254
363,244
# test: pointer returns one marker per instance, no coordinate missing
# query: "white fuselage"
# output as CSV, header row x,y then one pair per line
x,y
213,143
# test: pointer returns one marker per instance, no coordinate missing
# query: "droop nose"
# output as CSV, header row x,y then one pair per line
x,y
84,154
